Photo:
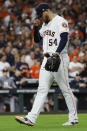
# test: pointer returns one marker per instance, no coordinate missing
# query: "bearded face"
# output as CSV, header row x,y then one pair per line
x,y
45,17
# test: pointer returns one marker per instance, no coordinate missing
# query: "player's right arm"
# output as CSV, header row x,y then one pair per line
x,y
37,36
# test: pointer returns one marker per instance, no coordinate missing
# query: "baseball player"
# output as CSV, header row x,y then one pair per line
x,y
54,33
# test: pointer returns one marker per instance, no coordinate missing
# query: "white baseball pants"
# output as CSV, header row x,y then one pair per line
x,y
45,80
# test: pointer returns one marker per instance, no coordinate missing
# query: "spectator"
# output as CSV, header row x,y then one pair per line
x,y
23,67
3,64
77,34
2,40
83,74
30,59
77,82
16,34
75,67
37,53
9,3
22,72
8,83
5,15
35,69
20,81
15,53
75,53
81,57
10,58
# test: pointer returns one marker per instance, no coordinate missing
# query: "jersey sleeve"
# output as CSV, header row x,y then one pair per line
x,y
37,36
63,26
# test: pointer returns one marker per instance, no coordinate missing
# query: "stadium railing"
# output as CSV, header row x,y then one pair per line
x,y
32,88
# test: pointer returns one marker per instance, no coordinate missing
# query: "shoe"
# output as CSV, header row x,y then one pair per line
x,y
24,120
70,124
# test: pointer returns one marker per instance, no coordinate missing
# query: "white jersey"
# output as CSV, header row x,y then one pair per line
x,y
51,34
73,65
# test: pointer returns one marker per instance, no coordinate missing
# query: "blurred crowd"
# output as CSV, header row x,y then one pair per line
x,y
21,57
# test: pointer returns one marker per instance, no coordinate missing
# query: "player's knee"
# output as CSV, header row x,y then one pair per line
x,y
42,90
67,93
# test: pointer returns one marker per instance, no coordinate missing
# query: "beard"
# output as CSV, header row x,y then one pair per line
x,y
46,20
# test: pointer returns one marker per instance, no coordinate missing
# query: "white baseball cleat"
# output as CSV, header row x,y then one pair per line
x,y
70,123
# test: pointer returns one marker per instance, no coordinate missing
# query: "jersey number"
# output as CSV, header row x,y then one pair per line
x,y
51,42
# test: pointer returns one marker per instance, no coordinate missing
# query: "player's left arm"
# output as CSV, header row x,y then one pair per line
x,y
63,41
63,36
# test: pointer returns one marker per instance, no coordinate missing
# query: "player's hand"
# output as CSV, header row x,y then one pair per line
x,y
83,85
36,22
55,54
23,80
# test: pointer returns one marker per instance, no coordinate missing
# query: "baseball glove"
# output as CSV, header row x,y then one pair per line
x,y
53,63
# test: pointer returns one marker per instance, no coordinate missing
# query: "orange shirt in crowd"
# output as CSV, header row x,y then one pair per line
x,y
26,72
27,10
35,71
4,13
80,34
71,20
14,18
74,54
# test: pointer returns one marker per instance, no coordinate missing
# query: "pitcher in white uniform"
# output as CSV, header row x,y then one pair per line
x,y
54,32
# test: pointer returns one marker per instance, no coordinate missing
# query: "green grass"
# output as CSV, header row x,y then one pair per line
x,y
44,123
